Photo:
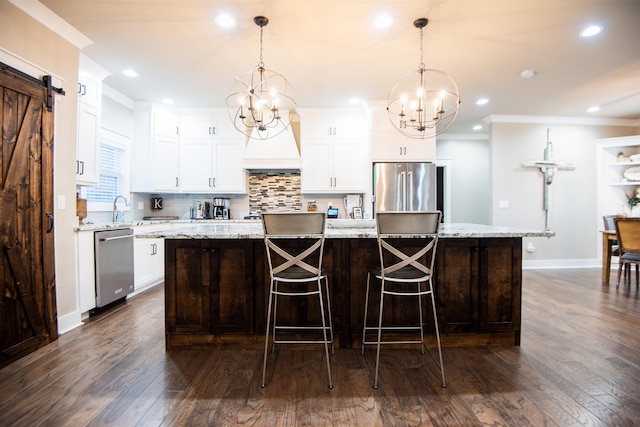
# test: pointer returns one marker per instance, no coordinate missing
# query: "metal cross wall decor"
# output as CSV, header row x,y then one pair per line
x,y
548,167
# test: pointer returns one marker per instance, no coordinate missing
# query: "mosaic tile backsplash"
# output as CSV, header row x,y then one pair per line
x,y
274,192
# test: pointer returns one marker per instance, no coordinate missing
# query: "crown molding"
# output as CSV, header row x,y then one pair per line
x,y
462,137
561,120
46,17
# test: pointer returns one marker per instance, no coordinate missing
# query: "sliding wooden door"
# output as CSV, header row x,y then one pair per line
x,y
27,279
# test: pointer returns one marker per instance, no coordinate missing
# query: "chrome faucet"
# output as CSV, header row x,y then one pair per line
x,y
115,206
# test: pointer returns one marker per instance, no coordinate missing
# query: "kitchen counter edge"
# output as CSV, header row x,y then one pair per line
x,y
253,230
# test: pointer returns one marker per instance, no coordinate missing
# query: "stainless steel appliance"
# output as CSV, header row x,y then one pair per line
x,y
114,265
404,187
221,208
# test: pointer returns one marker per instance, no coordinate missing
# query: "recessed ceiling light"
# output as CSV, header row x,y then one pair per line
x,y
382,21
130,73
167,101
593,109
477,127
591,30
225,20
528,73
482,101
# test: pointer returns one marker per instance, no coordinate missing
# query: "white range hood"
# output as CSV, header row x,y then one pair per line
x,y
279,152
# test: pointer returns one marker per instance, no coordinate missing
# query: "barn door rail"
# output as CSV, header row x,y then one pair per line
x,y
45,82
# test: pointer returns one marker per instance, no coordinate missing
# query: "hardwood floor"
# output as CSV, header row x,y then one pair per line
x,y
579,364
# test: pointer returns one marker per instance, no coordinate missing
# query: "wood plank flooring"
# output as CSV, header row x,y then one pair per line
x,y
579,364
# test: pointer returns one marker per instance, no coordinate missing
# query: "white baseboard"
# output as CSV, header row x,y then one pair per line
x,y
562,263
145,287
69,321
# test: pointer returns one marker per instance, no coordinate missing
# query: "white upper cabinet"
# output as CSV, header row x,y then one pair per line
x,y
89,89
90,76
156,149
387,144
211,152
334,150
87,146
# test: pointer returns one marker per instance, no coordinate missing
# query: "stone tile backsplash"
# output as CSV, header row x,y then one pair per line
x,y
274,192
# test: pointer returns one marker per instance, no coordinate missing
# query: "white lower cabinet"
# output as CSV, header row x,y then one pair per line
x,y
86,270
148,256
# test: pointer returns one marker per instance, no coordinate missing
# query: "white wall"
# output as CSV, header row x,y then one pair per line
x,y
573,193
36,44
470,177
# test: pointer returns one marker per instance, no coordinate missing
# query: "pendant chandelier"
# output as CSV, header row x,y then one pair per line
x,y
262,100
425,102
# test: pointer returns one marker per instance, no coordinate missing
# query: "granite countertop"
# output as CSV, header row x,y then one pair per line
x,y
335,230
145,222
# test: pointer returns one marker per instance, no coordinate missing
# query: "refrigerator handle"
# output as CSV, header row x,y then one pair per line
x,y
403,178
409,200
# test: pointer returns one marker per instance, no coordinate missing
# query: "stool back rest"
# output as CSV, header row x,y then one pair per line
x,y
395,227
294,239
628,234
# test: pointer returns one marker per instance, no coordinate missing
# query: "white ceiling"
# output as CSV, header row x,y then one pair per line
x,y
330,51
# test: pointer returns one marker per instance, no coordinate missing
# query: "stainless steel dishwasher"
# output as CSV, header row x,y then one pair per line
x,y
114,265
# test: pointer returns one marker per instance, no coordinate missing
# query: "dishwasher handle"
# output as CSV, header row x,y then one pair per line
x,y
108,239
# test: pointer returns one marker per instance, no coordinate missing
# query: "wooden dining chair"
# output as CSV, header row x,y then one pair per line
x,y
628,235
610,225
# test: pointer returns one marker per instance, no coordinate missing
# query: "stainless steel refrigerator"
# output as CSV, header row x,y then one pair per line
x,y
404,187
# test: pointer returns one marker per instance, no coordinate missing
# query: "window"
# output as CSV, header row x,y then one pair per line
x,y
114,172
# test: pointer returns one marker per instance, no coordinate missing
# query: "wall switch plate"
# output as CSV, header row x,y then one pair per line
x,y
62,202
140,206
503,204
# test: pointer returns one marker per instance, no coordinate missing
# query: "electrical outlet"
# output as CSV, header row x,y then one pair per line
x,y
140,206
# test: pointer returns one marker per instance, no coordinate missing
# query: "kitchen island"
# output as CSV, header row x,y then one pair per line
x,y
217,279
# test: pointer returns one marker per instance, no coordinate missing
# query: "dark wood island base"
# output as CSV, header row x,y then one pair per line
x,y
216,291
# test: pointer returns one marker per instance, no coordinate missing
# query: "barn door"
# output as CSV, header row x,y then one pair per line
x,y
27,281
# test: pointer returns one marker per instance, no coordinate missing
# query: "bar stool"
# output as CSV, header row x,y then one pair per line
x,y
294,245
405,271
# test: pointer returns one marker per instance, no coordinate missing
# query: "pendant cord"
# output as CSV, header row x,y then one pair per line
x,y
421,50
261,64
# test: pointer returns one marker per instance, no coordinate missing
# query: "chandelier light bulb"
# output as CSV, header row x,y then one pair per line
x,y
446,101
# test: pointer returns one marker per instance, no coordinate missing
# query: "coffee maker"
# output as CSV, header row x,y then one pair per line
x,y
221,208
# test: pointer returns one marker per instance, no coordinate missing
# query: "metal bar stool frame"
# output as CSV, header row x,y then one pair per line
x,y
287,266
404,268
